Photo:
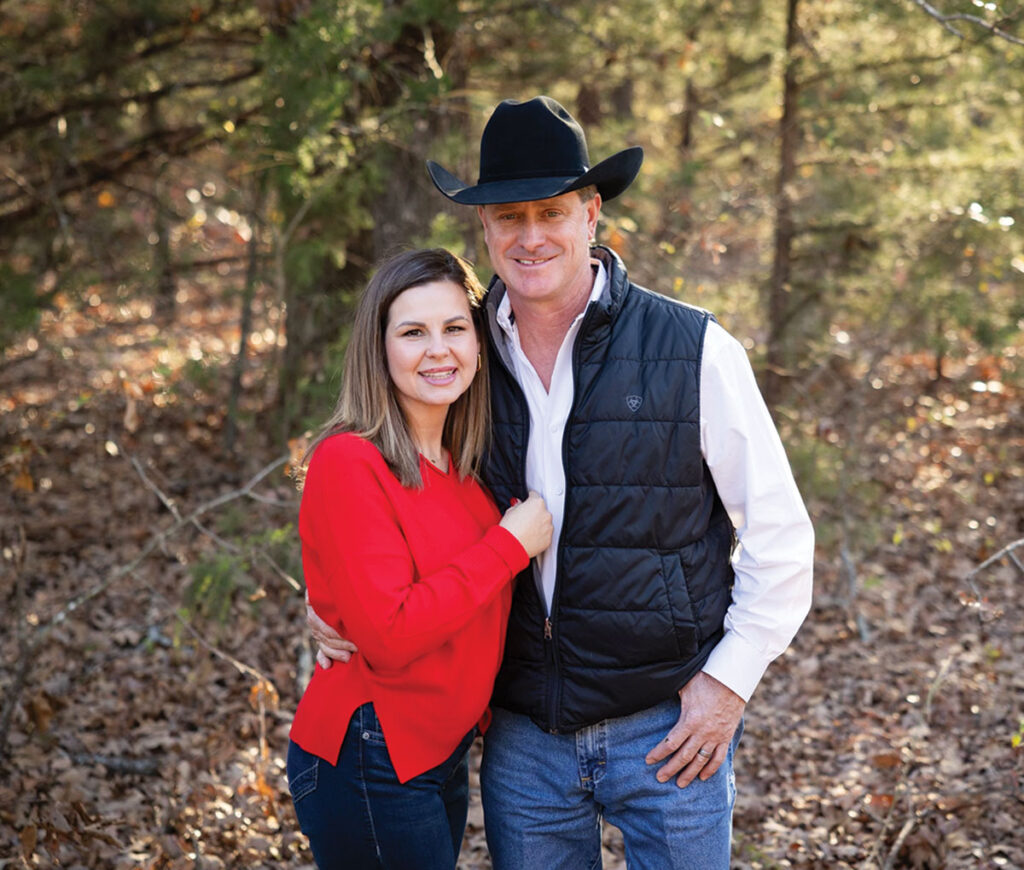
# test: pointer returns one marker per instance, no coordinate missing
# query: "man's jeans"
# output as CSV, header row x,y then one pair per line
x,y
358,815
544,796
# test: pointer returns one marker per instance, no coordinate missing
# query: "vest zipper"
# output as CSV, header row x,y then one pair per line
x,y
552,665
555,686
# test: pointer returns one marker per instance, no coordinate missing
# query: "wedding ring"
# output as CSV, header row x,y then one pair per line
x,y
703,753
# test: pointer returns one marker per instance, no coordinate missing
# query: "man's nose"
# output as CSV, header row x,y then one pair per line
x,y
531,234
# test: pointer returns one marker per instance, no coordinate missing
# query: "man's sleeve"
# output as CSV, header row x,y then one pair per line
x,y
775,557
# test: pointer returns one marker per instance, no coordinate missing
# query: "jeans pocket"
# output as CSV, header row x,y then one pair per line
x,y
365,718
303,770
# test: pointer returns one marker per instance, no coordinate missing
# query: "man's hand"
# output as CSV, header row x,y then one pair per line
x,y
331,646
699,742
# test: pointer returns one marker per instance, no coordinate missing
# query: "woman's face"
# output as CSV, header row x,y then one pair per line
x,y
431,347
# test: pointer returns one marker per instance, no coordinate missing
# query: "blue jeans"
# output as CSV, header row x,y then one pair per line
x,y
544,796
357,814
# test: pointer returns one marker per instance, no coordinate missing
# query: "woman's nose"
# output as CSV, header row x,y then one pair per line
x,y
438,346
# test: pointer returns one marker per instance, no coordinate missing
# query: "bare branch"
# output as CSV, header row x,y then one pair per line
x,y
908,826
118,763
29,648
945,21
142,98
1009,551
171,506
155,541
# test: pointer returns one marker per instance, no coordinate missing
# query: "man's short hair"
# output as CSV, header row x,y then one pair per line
x,y
587,193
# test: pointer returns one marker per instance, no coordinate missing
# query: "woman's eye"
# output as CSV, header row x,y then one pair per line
x,y
455,328
412,333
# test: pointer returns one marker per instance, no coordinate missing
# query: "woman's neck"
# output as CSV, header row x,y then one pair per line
x,y
427,431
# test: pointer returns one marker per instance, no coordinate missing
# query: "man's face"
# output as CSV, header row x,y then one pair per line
x,y
541,248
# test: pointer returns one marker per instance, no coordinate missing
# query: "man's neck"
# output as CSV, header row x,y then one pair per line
x,y
542,326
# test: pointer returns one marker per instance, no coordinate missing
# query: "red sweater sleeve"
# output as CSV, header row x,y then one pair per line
x,y
361,573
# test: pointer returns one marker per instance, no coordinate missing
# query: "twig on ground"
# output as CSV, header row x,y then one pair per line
x,y
908,826
29,648
240,666
17,557
934,687
118,763
1010,551
169,503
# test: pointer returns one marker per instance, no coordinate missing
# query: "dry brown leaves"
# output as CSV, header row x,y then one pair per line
x,y
882,738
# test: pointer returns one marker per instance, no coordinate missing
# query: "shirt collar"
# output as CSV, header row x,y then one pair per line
x,y
506,316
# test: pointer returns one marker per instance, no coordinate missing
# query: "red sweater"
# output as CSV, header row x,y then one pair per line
x,y
419,580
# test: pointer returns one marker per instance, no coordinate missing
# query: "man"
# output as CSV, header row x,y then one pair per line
x,y
636,640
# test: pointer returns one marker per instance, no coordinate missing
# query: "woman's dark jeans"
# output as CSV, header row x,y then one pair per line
x,y
357,814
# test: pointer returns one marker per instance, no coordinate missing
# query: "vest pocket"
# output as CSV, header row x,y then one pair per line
x,y
684,619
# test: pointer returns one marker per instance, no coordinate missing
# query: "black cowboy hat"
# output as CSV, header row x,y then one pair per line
x,y
535,150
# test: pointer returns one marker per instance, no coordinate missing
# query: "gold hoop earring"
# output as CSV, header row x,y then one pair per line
x,y
479,362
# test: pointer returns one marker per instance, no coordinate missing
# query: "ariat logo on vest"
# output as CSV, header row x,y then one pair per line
x,y
634,403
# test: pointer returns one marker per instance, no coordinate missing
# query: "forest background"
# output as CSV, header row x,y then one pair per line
x,y
192,194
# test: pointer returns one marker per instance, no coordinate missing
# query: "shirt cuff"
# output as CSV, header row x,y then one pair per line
x,y
737,664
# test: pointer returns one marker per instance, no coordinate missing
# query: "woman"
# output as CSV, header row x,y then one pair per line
x,y
407,555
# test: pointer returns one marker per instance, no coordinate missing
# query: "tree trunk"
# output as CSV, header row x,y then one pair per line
x,y
778,294
252,276
163,268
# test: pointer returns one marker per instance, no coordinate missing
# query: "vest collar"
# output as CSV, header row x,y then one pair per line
x,y
598,317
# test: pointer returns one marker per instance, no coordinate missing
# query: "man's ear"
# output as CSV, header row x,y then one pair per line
x,y
593,214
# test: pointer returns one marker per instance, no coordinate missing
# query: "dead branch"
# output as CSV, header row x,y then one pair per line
x,y
24,653
908,826
945,21
118,763
1010,551
141,98
28,651
155,541
169,503
238,665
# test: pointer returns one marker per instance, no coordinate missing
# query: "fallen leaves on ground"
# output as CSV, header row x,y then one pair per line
x,y
147,735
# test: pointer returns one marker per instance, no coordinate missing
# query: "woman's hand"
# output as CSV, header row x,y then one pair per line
x,y
530,522
331,646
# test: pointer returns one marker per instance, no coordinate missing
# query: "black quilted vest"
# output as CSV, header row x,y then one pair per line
x,y
644,577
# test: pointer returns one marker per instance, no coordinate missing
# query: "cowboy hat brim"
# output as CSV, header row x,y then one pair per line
x,y
611,177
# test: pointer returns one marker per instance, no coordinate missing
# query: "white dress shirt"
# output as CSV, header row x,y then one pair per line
x,y
774,560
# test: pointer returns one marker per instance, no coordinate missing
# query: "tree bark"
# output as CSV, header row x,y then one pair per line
x,y
778,292
252,276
